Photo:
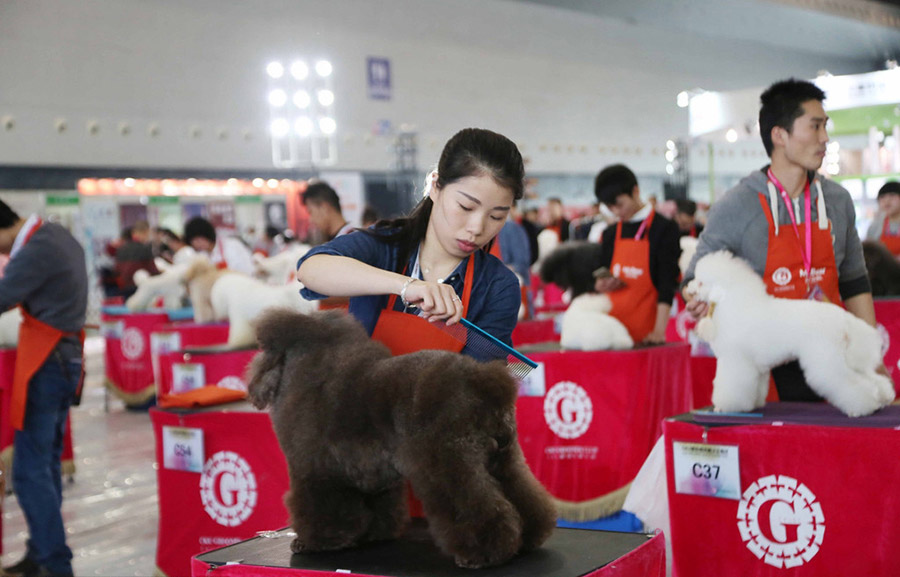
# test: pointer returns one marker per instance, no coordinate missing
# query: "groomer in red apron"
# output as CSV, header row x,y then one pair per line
x,y
47,277
641,256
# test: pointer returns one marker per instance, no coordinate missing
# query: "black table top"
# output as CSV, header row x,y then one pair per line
x,y
568,553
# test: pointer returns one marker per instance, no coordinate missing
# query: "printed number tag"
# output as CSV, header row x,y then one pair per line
x,y
187,377
112,329
162,343
707,470
534,384
183,449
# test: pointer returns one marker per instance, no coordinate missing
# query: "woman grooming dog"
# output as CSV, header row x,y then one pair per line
x,y
403,274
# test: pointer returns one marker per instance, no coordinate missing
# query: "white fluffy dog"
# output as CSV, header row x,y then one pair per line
x,y
281,268
587,326
750,332
220,295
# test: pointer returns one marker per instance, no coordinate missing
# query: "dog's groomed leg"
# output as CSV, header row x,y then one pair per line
x,y
326,515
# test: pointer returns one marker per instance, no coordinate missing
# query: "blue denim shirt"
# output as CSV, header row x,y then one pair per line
x,y
493,303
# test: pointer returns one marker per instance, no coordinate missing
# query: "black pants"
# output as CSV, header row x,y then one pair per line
x,y
791,384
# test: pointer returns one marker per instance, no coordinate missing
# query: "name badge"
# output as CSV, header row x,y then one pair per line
x,y
534,384
183,449
707,470
187,377
112,329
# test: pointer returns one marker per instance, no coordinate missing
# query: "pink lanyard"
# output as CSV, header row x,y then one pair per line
x,y
807,254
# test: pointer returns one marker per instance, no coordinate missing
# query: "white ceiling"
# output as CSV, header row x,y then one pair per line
x,y
859,34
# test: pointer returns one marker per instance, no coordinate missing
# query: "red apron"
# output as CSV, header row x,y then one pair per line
x,y
891,241
407,333
635,304
785,270
36,341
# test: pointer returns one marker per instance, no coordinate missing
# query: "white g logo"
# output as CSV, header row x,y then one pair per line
x,y
782,276
568,410
132,343
228,488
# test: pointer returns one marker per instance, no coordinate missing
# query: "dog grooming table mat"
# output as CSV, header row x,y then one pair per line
x,y
795,413
568,553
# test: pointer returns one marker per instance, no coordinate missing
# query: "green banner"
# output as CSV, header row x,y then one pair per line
x,y
248,199
858,120
68,200
157,200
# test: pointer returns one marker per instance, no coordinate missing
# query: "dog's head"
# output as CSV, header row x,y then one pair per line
x,y
571,266
284,331
720,273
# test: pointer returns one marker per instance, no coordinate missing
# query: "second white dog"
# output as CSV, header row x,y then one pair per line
x,y
750,332
587,326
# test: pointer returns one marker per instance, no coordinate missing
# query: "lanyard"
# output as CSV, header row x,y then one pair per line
x,y
807,254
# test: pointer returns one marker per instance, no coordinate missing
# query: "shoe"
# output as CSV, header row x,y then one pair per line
x,y
24,567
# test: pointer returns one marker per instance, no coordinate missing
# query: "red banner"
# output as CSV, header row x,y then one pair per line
x,y
600,415
816,501
238,493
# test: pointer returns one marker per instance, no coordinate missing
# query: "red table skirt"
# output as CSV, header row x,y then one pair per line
x,y
887,315
535,331
238,494
816,501
222,368
600,416
129,364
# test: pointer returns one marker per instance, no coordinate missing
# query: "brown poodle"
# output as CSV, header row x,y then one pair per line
x,y
354,422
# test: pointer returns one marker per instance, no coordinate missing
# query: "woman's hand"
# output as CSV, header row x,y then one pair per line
x,y
437,301
608,284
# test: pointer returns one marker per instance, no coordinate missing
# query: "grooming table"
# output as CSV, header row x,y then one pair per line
x,y
568,553
816,493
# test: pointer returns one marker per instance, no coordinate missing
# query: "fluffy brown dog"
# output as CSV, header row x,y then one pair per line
x,y
354,422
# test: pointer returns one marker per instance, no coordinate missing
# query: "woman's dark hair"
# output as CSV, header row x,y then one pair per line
x,y
891,187
470,152
8,216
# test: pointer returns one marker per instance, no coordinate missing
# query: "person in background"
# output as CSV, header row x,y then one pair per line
x,y
135,254
225,252
47,277
514,249
530,222
886,226
430,265
556,219
686,218
268,245
796,229
640,256
369,216
181,251
324,208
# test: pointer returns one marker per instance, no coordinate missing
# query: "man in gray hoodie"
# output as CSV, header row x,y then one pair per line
x,y
796,229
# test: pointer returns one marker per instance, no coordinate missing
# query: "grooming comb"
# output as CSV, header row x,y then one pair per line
x,y
487,346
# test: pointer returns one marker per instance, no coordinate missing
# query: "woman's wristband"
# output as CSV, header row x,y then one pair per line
x,y
408,282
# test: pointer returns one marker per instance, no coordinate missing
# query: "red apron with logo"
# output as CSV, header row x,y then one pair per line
x,y
635,304
408,333
785,270
891,241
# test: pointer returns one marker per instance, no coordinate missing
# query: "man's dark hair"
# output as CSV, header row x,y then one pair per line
x,y
612,182
782,103
8,216
199,226
685,206
892,187
320,192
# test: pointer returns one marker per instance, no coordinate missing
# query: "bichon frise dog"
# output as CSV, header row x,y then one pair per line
x,y
750,332
219,295
354,422
587,325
